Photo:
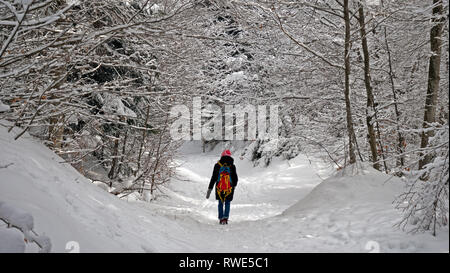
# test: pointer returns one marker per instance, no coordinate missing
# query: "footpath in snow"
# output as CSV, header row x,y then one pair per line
x,y
295,206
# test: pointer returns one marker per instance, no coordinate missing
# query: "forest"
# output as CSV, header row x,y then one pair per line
x,y
356,82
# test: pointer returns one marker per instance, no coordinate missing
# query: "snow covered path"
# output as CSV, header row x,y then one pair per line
x,y
261,192
342,214
282,208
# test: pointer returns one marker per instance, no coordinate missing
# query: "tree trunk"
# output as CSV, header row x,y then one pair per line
x,y
122,156
370,108
112,172
144,135
400,138
433,80
350,130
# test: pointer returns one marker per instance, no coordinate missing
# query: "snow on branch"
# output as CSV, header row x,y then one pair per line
x,y
20,19
426,203
23,221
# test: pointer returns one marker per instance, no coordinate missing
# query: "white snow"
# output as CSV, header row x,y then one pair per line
x,y
155,8
3,107
23,222
287,207
16,217
115,105
234,77
12,240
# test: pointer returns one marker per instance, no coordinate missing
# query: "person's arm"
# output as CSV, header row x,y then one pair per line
x,y
214,176
234,176
213,180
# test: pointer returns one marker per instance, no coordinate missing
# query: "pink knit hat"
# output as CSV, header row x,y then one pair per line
x,y
226,153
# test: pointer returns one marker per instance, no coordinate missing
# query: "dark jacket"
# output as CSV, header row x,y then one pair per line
x,y
233,175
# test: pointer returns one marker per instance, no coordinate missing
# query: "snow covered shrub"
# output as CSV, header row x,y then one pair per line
x,y
426,203
263,151
94,87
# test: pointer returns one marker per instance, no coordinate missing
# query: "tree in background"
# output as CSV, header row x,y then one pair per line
x,y
433,79
426,204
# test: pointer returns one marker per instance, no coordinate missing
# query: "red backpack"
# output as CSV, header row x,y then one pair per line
x,y
224,181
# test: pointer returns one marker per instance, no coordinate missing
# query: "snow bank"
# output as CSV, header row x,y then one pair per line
x,y
60,204
16,217
369,186
23,221
355,212
12,241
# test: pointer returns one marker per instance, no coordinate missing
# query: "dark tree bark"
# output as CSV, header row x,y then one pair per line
x,y
112,172
370,107
433,80
400,138
144,135
122,156
350,130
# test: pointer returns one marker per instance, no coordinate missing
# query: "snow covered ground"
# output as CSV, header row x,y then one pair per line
x,y
295,206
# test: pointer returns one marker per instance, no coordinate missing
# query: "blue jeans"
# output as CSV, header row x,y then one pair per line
x,y
227,209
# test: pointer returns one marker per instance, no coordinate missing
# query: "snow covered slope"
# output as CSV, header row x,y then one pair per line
x,y
358,212
338,214
67,207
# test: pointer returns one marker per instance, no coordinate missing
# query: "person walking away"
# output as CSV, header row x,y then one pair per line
x,y
224,178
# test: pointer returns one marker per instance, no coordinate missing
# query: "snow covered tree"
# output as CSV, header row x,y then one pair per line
x,y
433,78
426,203
95,80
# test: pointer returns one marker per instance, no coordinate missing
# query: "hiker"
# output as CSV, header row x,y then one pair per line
x,y
225,178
